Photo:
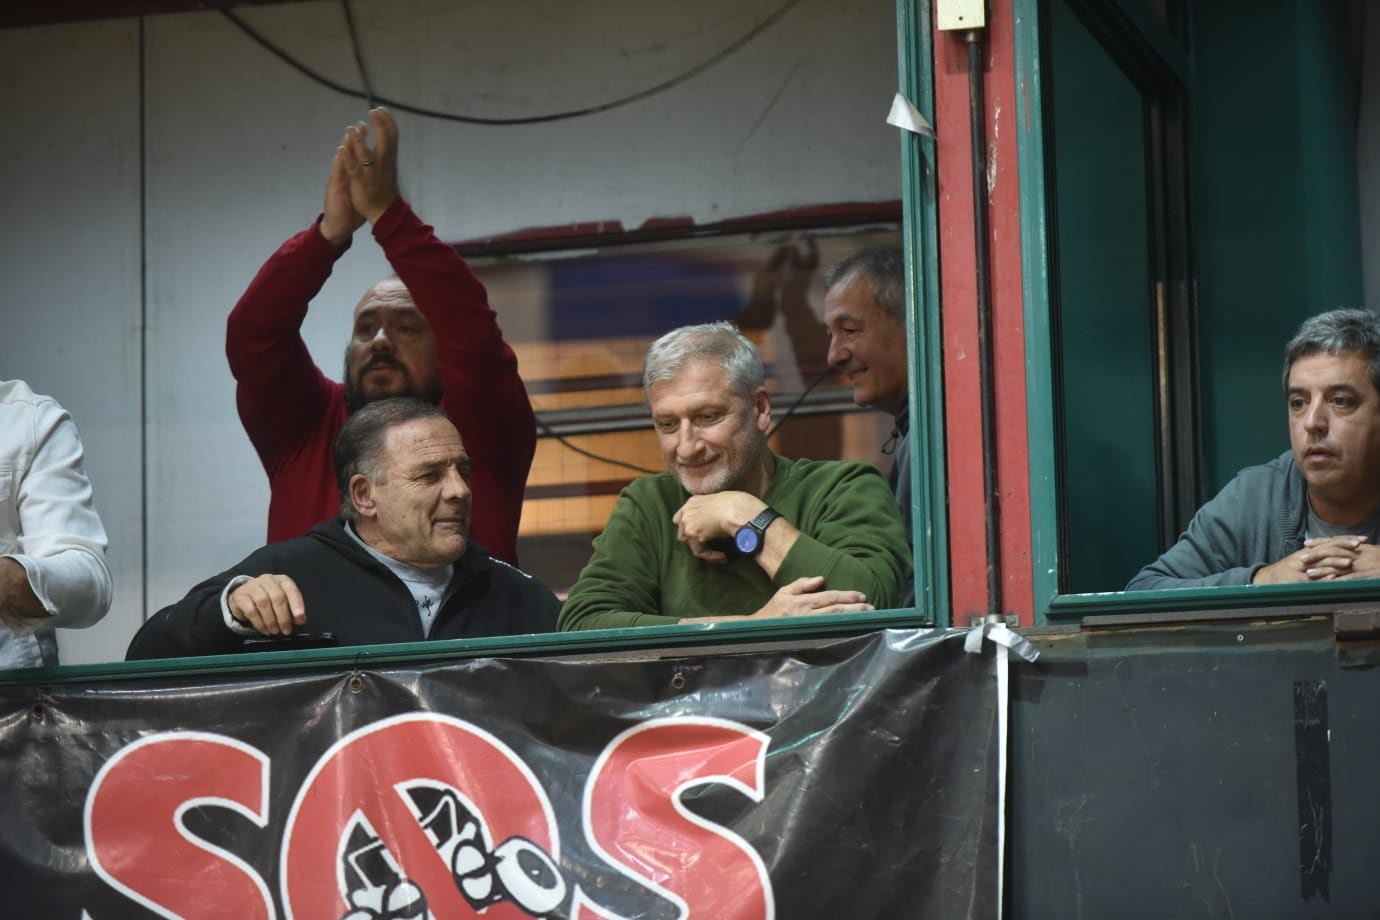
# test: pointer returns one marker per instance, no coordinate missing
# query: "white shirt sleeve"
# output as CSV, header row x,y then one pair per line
x,y
236,627
55,532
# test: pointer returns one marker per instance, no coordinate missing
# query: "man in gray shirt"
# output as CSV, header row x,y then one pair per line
x,y
1313,513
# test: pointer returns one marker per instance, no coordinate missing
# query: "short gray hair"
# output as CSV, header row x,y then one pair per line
x,y
1335,331
719,342
884,267
359,446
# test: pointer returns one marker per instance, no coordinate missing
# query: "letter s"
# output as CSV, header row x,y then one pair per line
x,y
136,839
635,820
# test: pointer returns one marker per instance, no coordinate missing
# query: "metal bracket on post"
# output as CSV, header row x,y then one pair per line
x,y
1357,633
1362,623
994,629
952,15
1010,619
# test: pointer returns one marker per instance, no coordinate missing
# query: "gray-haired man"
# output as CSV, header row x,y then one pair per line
x,y
1312,514
732,529
865,312
398,565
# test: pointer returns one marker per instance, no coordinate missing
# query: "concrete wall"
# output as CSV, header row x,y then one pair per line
x,y
154,164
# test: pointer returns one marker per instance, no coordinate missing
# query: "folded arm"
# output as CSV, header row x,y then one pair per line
x,y
58,574
622,579
1227,542
853,537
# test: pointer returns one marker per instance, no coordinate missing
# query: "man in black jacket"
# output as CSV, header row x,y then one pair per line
x,y
397,566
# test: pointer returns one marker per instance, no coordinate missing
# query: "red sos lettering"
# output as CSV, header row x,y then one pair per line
x,y
635,821
137,842
411,788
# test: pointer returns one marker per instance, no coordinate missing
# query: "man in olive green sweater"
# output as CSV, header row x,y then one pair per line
x,y
733,530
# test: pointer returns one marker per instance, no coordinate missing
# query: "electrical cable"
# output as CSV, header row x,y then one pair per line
x,y
828,372
371,99
396,105
547,430
560,439
359,54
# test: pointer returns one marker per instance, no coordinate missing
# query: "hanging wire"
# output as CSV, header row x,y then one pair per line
x,y
359,54
560,439
399,106
550,432
828,372
371,100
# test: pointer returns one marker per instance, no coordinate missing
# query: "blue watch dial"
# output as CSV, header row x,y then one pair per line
x,y
747,539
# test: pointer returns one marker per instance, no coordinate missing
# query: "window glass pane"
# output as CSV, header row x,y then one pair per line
x,y
581,323
1103,300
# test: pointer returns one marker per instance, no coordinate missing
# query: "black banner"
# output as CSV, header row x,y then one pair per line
x,y
856,779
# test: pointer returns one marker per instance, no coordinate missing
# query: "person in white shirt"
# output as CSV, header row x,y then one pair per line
x,y
52,544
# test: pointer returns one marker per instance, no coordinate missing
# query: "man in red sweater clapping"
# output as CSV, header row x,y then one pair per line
x,y
429,333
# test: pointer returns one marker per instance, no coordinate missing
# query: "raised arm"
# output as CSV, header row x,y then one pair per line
x,y
481,389
280,391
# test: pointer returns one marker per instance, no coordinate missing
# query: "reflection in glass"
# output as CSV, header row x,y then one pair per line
x,y
581,322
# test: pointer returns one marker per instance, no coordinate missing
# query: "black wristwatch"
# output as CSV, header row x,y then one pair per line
x,y
753,534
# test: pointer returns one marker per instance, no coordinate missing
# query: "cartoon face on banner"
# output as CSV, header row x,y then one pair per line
x,y
424,816
517,870
430,790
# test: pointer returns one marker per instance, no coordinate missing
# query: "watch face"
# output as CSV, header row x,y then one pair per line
x,y
747,540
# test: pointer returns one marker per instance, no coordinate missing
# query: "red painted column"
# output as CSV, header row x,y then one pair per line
x,y
958,292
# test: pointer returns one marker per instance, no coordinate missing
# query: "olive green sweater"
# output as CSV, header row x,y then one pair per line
x,y
641,575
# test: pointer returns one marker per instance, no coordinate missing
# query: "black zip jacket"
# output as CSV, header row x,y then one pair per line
x,y
349,593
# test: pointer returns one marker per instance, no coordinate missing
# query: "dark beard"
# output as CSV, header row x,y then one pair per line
x,y
356,399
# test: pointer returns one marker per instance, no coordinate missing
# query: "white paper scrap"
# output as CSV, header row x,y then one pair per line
x,y
906,117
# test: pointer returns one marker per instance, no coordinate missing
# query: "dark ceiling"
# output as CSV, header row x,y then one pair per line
x,y
14,13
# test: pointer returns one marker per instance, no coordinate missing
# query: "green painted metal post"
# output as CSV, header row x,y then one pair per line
x,y
915,57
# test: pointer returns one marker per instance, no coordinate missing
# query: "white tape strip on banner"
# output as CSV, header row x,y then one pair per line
x,y
1003,701
1006,641
1003,637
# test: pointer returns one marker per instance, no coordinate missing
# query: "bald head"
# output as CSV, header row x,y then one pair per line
x,y
391,351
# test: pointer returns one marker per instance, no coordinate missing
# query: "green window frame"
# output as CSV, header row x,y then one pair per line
x,y
920,228
930,552
1051,606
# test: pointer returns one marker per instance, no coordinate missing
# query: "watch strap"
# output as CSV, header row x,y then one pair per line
x,y
763,520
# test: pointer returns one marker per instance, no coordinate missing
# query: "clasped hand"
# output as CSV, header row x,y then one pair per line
x,y
363,180
1324,559
711,517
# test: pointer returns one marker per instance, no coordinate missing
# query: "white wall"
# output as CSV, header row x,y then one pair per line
x,y
234,150
70,270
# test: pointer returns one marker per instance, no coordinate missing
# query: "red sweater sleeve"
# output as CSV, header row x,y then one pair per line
x,y
482,392
280,392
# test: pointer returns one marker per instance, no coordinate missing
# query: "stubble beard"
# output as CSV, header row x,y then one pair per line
x,y
725,479
357,398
